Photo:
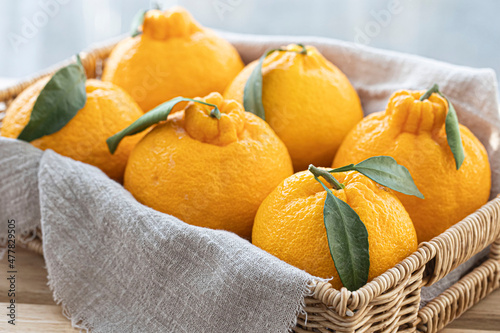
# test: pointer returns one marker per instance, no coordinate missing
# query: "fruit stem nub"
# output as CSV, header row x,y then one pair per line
x,y
336,185
304,50
215,113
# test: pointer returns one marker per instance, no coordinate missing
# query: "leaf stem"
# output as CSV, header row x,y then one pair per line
x,y
327,176
152,117
349,167
428,93
215,113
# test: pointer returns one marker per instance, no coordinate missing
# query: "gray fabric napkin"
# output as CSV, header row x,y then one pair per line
x,y
19,189
118,266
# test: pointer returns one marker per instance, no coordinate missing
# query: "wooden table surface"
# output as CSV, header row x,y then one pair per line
x,y
36,311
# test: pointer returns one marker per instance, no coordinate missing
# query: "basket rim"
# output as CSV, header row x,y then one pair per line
x,y
345,302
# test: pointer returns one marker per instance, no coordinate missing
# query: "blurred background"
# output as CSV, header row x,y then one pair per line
x,y
37,33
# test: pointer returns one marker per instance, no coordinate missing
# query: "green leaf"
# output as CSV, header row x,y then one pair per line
x,y
58,102
152,117
451,126
347,239
137,22
348,242
453,135
387,172
252,94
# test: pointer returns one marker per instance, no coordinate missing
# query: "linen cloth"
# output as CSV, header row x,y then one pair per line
x,y
118,266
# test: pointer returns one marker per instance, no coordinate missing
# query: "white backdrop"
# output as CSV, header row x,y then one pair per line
x,y
37,33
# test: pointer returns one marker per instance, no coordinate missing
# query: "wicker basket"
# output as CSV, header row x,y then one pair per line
x,y
391,302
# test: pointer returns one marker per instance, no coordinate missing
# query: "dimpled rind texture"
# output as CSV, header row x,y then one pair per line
x,y
208,172
173,57
308,102
108,110
413,133
289,224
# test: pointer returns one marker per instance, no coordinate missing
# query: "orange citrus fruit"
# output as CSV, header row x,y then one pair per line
x,y
413,133
289,224
308,102
108,109
174,56
208,172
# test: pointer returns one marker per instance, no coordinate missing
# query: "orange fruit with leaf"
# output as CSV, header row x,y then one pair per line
x,y
173,56
210,165
308,101
74,117
448,163
350,229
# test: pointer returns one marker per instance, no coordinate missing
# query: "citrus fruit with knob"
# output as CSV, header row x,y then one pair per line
x,y
206,171
174,56
308,102
413,132
107,110
290,224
